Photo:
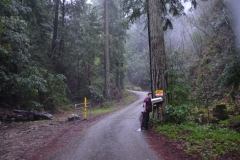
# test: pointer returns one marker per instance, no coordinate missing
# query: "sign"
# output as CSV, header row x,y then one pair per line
x,y
159,93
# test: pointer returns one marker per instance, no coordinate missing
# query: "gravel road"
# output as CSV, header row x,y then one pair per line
x,y
115,137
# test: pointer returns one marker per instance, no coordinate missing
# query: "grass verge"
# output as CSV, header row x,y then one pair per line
x,y
109,106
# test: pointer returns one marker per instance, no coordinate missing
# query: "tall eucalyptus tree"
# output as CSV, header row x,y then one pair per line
x,y
116,26
61,45
83,45
157,50
55,32
157,11
106,52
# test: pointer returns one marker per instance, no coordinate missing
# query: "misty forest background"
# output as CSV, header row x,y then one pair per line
x,y
52,54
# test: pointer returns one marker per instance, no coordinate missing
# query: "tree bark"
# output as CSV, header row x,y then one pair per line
x,y
63,30
121,76
106,54
157,52
117,75
55,32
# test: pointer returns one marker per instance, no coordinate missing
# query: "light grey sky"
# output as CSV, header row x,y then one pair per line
x,y
88,1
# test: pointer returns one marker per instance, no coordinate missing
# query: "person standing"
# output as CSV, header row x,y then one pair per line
x,y
147,108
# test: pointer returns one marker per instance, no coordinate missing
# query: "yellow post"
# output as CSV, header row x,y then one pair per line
x,y
85,108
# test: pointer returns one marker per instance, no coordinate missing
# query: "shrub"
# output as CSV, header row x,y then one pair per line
x,y
177,114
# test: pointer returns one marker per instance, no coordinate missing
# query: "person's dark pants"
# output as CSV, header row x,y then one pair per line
x,y
145,120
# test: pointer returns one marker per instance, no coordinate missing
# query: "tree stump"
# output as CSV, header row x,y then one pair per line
x,y
220,112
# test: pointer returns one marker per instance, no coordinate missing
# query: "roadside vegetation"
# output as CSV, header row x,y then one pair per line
x,y
200,132
209,141
105,107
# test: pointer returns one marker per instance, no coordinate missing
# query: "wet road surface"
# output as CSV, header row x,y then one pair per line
x,y
115,137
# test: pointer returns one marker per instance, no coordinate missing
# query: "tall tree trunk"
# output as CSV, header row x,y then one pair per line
x,y
117,75
63,30
121,75
121,63
157,51
55,32
106,54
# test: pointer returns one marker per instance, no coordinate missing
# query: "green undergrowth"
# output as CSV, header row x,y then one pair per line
x,y
225,123
203,140
132,87
114,105
127,97
103,110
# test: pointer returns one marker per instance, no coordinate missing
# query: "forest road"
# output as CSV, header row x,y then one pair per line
x,y
115,137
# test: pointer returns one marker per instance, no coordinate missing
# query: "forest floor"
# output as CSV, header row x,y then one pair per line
x,y
41,139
